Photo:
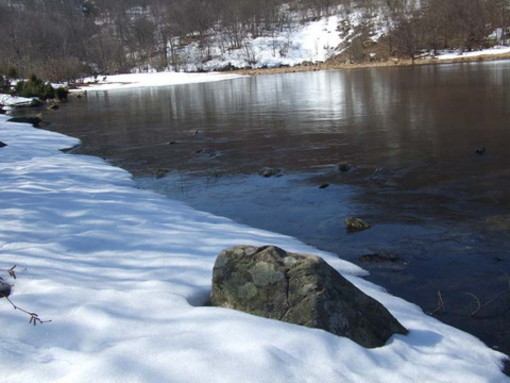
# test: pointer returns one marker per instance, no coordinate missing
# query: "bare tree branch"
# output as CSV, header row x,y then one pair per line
x,y
5,291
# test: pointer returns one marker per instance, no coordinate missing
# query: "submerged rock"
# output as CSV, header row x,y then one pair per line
x,y
208,153
356,224
378,258
300,289
498,222
270,172
481,151
162,172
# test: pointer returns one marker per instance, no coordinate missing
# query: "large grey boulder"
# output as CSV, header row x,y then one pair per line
x,y
301,289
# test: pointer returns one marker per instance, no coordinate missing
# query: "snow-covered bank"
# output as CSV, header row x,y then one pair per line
x,y
133,80
122,273
8,100
498,50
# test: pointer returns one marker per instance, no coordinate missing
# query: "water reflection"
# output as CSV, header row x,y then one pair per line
x,y
377,117
409,135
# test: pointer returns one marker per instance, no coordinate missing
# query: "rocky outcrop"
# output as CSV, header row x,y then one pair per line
x,y
301,289
35,121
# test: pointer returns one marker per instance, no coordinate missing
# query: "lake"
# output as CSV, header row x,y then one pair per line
x,y
420,153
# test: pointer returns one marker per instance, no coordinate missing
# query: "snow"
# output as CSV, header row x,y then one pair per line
x,y
497,50
123,274
133,80
294,44
314,41
8,100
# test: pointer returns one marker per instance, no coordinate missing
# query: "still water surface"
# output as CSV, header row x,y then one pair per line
x,y
440,212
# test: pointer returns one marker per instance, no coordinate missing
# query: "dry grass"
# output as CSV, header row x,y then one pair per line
x,y
332,65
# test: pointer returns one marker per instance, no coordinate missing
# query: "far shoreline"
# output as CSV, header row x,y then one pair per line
x,y
331,65
143,79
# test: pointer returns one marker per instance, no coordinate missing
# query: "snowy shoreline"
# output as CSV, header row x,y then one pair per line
x,y
155,79
494,54
122,273
134,80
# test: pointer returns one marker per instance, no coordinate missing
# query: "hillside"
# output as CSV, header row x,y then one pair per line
x,y
68,40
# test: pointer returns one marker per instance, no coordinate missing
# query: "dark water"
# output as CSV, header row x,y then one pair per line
x,y
440,212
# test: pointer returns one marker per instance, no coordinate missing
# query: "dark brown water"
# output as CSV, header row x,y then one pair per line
x,y
440,212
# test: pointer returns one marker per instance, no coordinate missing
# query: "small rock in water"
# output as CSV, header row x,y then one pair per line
x,y
378,258
356,224
2,145
208,153
160,173
270,172
323,186
344,168
480,151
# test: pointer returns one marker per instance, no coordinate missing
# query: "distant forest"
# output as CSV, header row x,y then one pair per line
x,y
67,39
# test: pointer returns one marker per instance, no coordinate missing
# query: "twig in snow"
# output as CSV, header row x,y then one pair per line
x,y
34,318
10,271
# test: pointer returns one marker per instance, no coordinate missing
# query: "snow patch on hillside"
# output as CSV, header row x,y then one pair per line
x,y
314,41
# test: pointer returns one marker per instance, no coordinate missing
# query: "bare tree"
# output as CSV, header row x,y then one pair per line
x,y
405,19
